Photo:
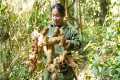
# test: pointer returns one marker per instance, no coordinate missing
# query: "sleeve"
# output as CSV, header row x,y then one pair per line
x,y
74,41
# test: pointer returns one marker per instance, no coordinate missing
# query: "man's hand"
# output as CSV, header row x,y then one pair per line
x,y
53,40
66,44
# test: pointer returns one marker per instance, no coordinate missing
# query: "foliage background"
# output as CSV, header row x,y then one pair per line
x,y
97,21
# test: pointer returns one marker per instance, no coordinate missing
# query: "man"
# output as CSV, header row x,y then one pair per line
x,y
71,39
70,42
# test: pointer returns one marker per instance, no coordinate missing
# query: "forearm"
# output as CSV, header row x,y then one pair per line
x,y
53,40
73,44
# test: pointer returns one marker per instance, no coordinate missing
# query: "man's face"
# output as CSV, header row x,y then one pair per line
x,y
57,18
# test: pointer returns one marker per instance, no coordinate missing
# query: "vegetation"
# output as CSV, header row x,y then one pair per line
x,y
97,21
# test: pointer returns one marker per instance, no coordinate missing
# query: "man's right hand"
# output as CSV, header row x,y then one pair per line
x,y
53,40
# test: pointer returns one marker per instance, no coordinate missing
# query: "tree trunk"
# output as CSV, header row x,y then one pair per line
x,y
104,10
57,1
78,15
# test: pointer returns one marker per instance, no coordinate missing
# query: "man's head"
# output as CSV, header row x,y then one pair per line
x,y
58,13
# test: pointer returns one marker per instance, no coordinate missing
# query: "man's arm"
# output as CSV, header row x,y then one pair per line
x,y
73,39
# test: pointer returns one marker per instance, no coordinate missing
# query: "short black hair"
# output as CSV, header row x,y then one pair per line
x,y
60,8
